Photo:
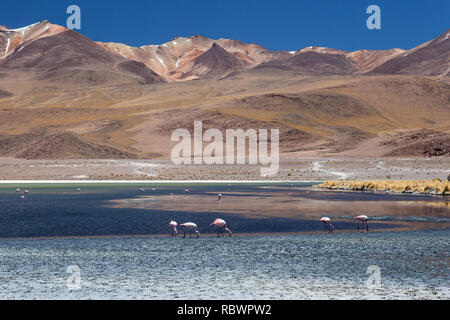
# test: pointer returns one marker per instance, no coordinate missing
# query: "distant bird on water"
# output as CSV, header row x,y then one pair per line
x,y
173,225
191,227
363,220
221,225
327,222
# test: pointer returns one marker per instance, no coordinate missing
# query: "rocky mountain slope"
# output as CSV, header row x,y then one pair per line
x,y
63,95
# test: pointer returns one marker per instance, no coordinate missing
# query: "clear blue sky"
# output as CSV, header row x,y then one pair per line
x,y
274,24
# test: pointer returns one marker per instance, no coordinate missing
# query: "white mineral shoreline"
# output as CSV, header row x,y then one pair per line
x,y
152,181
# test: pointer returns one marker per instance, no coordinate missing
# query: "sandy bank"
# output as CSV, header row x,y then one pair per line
x,y
300,169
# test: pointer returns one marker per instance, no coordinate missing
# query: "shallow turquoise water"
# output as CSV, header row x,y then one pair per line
x,y
413,265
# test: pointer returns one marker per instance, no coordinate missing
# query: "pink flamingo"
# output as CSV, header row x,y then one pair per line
x,y
173,225
191,227
221,225
327,222
363,219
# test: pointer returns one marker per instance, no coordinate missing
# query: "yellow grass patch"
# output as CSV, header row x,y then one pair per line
x,y
435,186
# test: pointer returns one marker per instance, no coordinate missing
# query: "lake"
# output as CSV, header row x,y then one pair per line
x,y
116,238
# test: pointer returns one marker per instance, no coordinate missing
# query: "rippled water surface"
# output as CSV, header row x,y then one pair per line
x,y
413,265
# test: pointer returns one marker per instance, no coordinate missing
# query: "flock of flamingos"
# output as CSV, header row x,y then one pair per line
x,y
221,225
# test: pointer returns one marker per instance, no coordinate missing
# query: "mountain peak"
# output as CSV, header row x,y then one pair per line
x,y
199,36
429,59
176,59
215,62
218,57
12,39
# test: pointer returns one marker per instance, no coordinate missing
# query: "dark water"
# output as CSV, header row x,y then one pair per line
x,y
62,211
412,265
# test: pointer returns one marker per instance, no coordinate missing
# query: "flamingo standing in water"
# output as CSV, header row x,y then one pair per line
x,y
221,225
327,222
363,220
191,227
173,225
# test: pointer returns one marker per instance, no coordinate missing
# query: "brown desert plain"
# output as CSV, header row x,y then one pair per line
x,y
66,98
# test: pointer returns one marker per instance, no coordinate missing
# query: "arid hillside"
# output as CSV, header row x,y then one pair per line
x,y
65,96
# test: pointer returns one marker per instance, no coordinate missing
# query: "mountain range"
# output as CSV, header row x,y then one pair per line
x,y
70,97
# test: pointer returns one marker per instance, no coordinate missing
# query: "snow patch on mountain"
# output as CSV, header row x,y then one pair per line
x,y
7,46
24,29
160,60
